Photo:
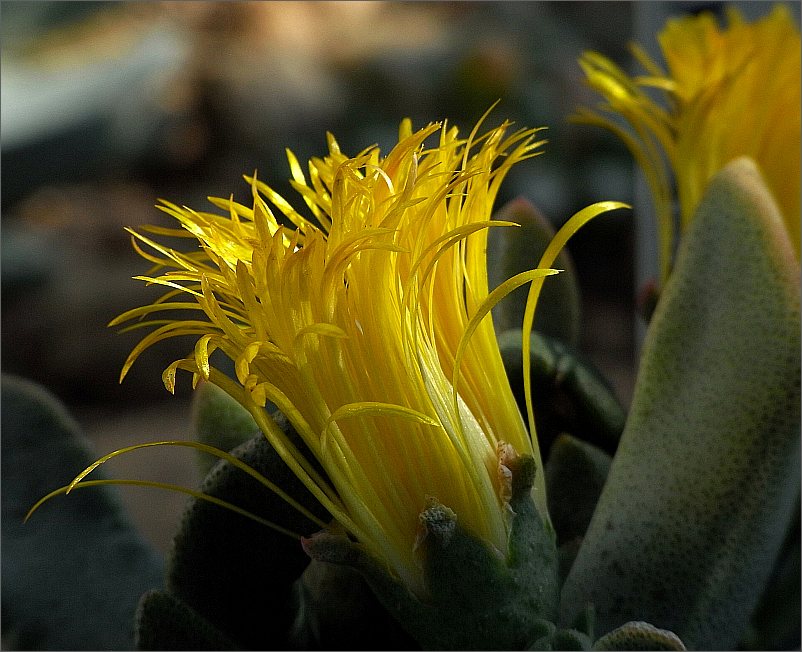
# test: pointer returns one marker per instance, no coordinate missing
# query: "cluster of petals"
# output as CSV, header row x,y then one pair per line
x,y
365,319
729,92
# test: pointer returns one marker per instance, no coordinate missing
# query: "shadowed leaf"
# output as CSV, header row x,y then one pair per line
x,y
73,574
700,493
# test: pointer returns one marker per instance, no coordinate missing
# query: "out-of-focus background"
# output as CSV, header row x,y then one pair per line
x,y
107,106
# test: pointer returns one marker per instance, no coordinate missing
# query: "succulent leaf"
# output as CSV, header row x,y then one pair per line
x,y
336,610
218,420
570,394
575,475
515,250
639,636
701,490
73,573
163,622
236,573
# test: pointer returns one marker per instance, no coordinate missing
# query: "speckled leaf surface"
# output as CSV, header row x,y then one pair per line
x,y
639,636
476,598
233,572
72,574
164,622
701,490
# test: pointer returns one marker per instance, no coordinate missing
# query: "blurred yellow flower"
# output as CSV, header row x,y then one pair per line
x,y
731,92
359,326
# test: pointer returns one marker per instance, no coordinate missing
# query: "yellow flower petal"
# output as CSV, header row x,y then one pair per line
x,y
731,92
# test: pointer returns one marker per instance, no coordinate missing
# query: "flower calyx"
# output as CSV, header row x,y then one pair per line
x,y
477,597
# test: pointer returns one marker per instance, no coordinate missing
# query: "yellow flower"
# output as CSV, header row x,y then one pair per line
x,y
351,325
360,324
731,92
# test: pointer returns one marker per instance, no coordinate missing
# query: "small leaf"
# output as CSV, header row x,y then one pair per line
x,y
570,395
702,488
219,421
336,610
639,636
543,636
575,475
561,639
570,639
515,250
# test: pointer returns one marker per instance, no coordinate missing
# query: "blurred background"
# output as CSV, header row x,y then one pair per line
x,y
107,106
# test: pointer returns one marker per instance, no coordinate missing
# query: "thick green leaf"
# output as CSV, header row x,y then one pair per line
x,y
73,574
336,610
562,639
163,622
569,393
575,475
219,421
234,572
512,250
701,490
776,622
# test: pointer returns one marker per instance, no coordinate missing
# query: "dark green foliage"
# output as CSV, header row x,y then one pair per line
x,y
512,250
336,610
569,394
570,639
253,586
575,475
163,622
234,572
73,574
219,421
